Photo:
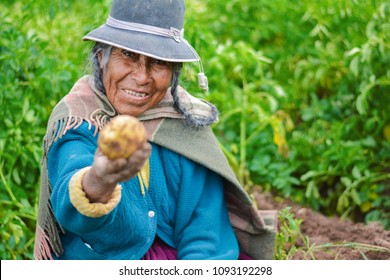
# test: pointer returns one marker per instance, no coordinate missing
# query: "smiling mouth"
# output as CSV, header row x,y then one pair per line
x,y
135,93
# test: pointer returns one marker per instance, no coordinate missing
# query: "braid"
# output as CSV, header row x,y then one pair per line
x,y
191,119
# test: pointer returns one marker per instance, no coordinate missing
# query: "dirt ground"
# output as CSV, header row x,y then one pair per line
x,y
350,241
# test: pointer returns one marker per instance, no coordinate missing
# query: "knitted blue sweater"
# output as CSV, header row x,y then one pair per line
x,y
184,206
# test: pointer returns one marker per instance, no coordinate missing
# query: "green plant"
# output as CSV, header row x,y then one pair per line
x,y
37,67
290,241
349,139
288,235
306,116
253,108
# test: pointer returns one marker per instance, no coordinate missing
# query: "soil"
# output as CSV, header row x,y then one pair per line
x,y
348,240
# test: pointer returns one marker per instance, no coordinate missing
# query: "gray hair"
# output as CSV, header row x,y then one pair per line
x,y
97,71
97,67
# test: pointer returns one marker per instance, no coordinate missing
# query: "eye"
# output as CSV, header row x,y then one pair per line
x,y
130,54
158,62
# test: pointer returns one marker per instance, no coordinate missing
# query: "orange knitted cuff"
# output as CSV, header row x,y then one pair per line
x,y
80,201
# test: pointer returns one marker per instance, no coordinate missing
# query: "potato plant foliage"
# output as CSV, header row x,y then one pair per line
x,y
303,91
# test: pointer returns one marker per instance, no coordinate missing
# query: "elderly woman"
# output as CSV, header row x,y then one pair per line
x,y
193,206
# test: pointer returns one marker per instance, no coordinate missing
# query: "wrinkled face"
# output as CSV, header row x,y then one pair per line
x,y
134,82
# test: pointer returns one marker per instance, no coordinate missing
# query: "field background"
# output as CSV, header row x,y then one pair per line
x,y
303,88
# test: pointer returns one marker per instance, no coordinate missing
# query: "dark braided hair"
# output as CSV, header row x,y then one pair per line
x,y
190,118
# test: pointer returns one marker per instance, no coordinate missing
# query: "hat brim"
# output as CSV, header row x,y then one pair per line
x,y
160,47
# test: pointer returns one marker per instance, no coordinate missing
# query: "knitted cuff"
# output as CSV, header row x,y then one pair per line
x,y
80,201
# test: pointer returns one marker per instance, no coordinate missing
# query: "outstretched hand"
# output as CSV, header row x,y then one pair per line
x,y
100,181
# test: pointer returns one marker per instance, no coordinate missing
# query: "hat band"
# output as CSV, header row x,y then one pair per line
x,y
174,33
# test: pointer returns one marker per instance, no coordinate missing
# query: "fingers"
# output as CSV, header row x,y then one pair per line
x,y
105,166
141,155
121,169
136,161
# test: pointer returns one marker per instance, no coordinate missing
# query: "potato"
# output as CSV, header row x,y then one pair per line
x,y
121,137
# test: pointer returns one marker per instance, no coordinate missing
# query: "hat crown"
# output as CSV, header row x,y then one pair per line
x,y
160,13
150,27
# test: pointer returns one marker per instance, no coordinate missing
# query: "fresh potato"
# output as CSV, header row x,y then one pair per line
x,y
121,137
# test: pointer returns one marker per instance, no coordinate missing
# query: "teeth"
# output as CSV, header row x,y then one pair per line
x,y
134,93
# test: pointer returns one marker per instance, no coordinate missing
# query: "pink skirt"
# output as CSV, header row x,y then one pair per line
x,y
161,251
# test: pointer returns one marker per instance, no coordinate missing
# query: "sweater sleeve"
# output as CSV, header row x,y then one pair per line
x,y
67,157
203,227
124,231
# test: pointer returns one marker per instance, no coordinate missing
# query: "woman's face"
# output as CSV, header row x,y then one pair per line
x,y
134,82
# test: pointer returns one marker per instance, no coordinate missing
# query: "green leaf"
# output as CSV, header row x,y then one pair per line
x,y
369,142
279,91
312,190
361,104
346,181
342,203
355,197
353,51
16,177
354,66
356,172
310,174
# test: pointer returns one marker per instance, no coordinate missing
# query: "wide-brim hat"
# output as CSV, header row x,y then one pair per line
x,y
150,27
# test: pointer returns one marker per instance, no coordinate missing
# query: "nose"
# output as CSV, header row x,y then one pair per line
x,y
141,71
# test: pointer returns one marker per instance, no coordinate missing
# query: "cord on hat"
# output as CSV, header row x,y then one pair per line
x,y
203,82
173,33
